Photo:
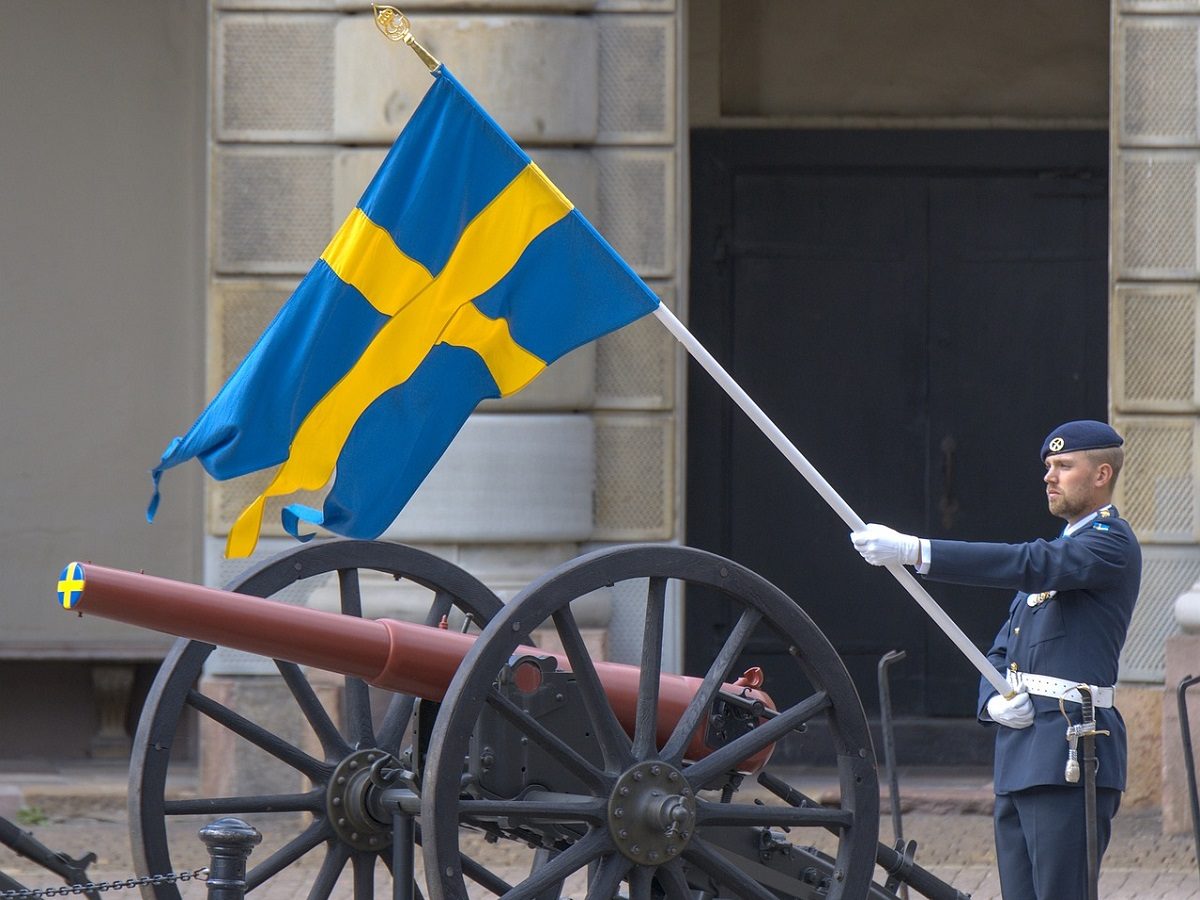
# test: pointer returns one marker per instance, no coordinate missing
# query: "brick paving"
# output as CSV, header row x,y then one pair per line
x,y
947,815
1141,863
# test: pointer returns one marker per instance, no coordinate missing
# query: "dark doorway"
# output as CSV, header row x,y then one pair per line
x,y
915,310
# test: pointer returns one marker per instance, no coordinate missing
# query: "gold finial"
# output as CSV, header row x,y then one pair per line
x,y
394,26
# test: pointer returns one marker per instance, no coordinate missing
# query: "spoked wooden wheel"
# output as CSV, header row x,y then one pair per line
x,y
320,824
639,818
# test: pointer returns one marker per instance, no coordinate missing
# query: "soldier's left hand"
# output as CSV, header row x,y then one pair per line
x,y
1015,712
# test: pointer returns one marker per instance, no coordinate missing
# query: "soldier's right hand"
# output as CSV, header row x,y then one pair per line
x,y
883,546
1016,712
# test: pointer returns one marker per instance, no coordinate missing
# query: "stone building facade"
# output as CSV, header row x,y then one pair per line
x,y
274,114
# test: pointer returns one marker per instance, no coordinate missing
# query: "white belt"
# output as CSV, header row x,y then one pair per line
x,y
1059,688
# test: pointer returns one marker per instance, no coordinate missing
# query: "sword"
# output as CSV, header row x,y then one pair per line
x,y
1086,732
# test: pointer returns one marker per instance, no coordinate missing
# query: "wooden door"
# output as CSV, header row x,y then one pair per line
x,y
916,311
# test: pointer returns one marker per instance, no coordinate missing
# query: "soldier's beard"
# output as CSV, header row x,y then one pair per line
x,y
1070,508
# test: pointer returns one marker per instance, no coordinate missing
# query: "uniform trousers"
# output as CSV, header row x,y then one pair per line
x,y
1041,841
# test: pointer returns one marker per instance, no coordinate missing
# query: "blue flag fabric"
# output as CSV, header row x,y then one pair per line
x,y
460,275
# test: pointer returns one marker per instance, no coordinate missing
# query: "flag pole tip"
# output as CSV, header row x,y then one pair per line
x,y
394,26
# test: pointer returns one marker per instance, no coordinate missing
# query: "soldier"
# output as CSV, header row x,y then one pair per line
x,y
1065,627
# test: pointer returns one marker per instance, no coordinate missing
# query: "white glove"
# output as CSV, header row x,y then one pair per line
x,y
1014,713
881,546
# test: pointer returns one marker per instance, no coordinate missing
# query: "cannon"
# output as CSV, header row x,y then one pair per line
x,y
611,781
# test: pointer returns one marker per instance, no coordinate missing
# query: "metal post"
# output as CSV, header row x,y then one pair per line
x,y
1189,761
229,842
889,745
403,838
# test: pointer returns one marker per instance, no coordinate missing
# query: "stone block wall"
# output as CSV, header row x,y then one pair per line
x,y
1155,118
1155,311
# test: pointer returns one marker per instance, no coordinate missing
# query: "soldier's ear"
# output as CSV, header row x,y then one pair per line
x,y
1104,474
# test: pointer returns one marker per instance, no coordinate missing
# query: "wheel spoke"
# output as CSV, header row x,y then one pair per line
x,y
640,881
591,810
594,845
331,867
395,722
358,713
349,593
728,757
364,875
484,877
672,879
645,741
607,878
259,736
358,699
548,741
614,742
314,711
301,844
700,704
443,602
313,801
541,856
702,855
751,815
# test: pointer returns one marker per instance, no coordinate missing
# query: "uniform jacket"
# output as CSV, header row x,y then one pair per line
x,y
1077,634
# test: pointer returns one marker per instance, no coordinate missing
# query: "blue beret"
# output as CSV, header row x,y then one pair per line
x,y
1082,435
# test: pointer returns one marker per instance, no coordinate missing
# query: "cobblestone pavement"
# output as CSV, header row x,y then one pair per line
x,y
947,816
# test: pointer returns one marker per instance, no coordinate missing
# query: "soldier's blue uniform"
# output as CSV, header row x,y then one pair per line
x,y
1075,633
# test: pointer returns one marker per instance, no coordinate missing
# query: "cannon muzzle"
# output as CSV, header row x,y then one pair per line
x,y
398,656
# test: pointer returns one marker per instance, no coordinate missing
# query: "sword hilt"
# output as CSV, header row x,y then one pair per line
x,y
1085,729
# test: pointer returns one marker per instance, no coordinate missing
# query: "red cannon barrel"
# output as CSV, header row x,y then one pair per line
x,y
397,656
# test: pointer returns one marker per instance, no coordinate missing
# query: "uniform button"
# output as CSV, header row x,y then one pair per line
x,y
1017,630
1014,666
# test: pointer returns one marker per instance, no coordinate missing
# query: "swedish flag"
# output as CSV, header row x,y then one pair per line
x,y
70,585
460,275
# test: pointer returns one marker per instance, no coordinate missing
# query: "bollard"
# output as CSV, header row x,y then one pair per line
x,y
229,842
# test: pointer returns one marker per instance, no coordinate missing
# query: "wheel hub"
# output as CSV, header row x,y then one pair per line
x,y
346,802
651,813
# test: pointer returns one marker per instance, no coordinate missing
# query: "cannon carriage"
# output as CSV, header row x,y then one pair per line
x,y
496,767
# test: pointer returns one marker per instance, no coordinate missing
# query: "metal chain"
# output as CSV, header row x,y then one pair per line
x,y
200,874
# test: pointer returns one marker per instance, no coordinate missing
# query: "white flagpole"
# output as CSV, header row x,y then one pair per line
x,y
906,578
